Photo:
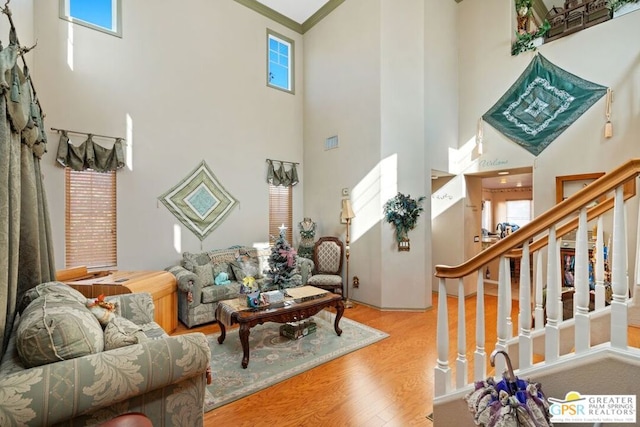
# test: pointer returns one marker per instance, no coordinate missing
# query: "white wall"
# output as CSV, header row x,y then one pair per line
x,y
342,97
192,80
382,76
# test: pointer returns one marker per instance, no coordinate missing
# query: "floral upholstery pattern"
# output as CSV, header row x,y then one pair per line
x,y
197,302
163,377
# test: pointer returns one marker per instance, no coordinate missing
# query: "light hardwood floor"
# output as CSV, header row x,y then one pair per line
x,y
389,383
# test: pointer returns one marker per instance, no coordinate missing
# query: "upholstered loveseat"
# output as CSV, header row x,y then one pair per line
x,y
144,370
197,274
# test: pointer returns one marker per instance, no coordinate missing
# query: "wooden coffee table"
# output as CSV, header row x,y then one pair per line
x,y
291,312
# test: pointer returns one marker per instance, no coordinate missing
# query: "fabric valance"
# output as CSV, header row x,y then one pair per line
x,y
90,155
280,176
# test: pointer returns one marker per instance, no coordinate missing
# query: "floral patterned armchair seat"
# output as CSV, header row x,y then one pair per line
x,y
133,367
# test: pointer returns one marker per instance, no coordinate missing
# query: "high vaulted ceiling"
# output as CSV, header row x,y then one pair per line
x,y
298,10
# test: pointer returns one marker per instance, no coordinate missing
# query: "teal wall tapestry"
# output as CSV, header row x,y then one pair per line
x,y
541,104
199,201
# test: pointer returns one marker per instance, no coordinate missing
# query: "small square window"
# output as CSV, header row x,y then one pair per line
x,y
101,15
280,53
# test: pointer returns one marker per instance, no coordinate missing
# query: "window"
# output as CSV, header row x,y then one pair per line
x,y
90,219
102,15
279,62
519,212
280,211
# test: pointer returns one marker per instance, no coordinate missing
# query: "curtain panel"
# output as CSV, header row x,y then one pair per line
x,y
26,254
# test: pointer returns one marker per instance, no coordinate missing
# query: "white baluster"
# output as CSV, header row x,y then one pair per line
x,y
504,308
581,283
539,292
480,356
524,317
599,267
619,275
507,295
461,360
552,332
442,372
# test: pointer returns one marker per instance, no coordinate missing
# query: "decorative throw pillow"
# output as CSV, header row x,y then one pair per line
x,y
49,288
221,267
205,274
121,332
245,267
57,327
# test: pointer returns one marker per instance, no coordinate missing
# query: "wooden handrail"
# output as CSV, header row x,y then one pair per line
x,y
600,187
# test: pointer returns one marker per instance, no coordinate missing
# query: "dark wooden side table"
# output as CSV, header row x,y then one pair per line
x,y
291,312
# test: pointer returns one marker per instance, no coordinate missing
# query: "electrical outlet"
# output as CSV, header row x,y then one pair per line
x,y
356,282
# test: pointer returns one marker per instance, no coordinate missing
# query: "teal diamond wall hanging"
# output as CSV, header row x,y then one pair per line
x,y
541,104
199,201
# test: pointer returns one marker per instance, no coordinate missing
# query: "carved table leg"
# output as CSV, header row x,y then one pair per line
x,y
340,310
244,339
223,333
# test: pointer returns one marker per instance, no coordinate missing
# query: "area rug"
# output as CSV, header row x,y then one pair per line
x,y
273,358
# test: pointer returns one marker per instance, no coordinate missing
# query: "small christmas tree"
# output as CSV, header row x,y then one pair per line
x,y
282,264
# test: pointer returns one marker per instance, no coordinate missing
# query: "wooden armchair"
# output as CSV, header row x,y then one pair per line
x,y
327,256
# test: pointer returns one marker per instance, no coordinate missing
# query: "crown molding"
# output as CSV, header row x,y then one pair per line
x,y
320,14
288,22
272,14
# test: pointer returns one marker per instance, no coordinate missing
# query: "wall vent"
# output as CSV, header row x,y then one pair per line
x,y
331,143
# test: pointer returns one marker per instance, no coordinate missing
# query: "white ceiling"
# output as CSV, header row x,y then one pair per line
x,y
298,10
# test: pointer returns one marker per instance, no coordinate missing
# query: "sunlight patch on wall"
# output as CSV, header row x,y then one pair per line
x,y
447,196
460,159
129,142
370,194
70,45
177,238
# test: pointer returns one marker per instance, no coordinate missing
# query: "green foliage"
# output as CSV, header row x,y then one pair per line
x,y
282,263
617,4
524,41
403,212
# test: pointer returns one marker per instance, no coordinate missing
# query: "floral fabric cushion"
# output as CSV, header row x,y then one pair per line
x,y
120,332
57,327
205,274
58,288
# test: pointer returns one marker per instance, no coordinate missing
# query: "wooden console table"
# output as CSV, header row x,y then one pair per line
x,y
160,284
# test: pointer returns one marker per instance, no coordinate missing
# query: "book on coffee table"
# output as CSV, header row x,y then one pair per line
x,y
305,293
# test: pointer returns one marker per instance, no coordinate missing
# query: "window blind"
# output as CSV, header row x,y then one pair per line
x,y
90,219
280,211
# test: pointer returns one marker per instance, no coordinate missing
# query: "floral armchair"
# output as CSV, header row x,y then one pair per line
x,y
161,376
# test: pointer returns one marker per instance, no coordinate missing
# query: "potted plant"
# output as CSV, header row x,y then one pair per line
x,y
528,34
402,212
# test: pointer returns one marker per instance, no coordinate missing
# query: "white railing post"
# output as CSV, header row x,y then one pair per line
x,y
504,310
461,360
598,272
539,288
581,283
480,356
552,332
524,317
506,283
619,283
442,372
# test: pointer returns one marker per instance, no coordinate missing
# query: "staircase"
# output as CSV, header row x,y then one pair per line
x,y
588,353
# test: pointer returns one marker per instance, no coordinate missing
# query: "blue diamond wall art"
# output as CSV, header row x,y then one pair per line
x,y
199,201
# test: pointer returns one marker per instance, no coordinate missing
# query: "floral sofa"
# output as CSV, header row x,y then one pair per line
x,y
197,274
116,360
